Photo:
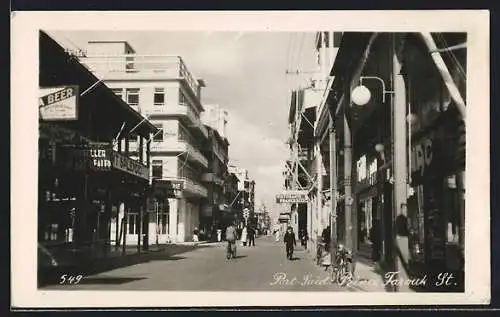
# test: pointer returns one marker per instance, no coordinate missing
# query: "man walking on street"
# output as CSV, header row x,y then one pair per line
x,y
290,242
251,236
231,241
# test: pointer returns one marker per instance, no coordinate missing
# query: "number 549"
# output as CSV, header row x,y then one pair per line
x,y
70,279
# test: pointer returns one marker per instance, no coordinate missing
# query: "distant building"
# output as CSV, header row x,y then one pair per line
x,y
215,178
163,89
216,118
246,190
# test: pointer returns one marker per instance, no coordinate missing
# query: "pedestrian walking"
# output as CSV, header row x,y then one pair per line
x,y
219,235
195,235
375,239
326,236
231,237
277,235
251,237
304,237
244,236
290,242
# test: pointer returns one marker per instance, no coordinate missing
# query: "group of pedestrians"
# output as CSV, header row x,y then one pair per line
x,y
248,236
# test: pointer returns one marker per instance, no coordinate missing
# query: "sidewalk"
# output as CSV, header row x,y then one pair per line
x,y
116,259
367,278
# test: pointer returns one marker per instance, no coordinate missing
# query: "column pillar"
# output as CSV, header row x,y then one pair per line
x,y
399,221
173,216
319,197
333,188
348,185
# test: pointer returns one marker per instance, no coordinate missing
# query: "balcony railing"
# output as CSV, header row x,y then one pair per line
x,y
212,178
191,187
178,111
193,154
133,65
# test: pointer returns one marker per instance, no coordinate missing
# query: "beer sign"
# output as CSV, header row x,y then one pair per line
x,y
58,103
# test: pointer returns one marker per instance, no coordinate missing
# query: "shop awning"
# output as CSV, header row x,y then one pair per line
x,y
100,112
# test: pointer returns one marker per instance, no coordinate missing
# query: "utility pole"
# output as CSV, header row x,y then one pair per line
x,y
333,189
347,184
400,243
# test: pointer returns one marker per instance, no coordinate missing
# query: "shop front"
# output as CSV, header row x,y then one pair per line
x,y
436,195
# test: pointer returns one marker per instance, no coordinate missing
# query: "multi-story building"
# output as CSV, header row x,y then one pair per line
x,y
216,117
84,185
300,167
165,91
396,109
246,194
216,151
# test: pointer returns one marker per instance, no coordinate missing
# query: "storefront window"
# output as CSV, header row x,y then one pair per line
x,y
416,223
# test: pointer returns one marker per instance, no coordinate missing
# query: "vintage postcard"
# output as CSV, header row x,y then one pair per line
x,y
190,159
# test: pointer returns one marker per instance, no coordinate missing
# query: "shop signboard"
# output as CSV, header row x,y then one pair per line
x,y
292,197
58,103
129,165
99,158
171,188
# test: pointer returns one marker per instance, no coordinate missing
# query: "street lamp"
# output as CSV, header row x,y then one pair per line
x,y
361,95
379,147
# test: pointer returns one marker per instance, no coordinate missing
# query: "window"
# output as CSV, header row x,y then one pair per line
x,y
182,99
164,223
159,97
129,63
133,96
133,223
158,136
157,169
118,92
184,135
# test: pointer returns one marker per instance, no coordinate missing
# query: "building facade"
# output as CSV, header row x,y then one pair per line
x,y
84,180
167,93
215,178
246,195
397,128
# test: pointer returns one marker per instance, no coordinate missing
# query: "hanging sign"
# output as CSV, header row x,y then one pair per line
x,y
58,103
292,197
129,165
99,158
171,188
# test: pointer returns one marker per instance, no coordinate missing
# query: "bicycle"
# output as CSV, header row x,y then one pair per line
x,y
341,273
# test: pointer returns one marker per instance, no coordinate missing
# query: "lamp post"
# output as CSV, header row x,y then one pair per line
x,y
361,95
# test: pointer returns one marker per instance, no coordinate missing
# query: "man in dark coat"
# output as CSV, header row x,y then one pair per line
x,y
375,239
251,236
290,242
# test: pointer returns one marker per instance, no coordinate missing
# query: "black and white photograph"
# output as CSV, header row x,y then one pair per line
x,y
254,158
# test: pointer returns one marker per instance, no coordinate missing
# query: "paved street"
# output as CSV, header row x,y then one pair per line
x,y
205,267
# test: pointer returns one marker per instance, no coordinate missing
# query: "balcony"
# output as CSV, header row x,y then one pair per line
x,y
141,67
183,112
191,188
193,154
212,178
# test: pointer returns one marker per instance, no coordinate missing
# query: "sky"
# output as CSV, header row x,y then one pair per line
x,y
246,74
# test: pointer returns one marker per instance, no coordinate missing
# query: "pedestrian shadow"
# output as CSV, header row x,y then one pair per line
x,y
110,280
240,256
294,258
90,267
